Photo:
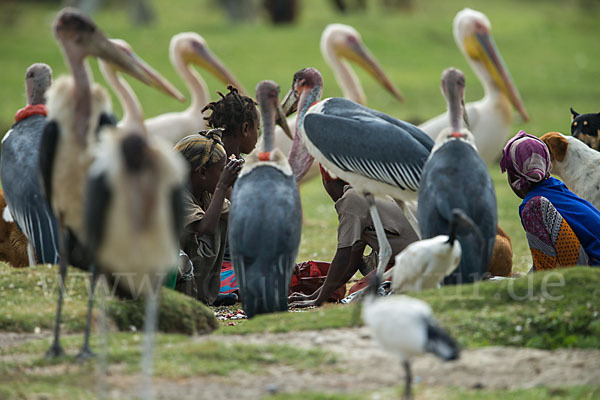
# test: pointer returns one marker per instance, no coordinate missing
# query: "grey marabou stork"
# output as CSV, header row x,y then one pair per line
x,y
77,113
190,48
19,170
132,110
265,219
377,154
489,118
455,177
339,44
405,326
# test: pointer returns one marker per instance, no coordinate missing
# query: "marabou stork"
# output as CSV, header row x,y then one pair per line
x,y
339,43
405,326
132,109
489,118
455,177
77,113
265,219
377,154
20,168
425,263
134,218
187,48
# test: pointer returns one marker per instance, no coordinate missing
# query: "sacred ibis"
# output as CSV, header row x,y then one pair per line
x,y
377,154
78,111
404,326
455,177
265,219
20,169
490,118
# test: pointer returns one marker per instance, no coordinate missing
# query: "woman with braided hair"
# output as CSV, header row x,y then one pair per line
x,y
238,117
211,176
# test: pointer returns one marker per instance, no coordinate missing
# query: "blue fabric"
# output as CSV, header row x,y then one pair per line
x,y
582,216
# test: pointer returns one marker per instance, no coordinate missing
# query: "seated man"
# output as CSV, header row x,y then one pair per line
x,y
355,231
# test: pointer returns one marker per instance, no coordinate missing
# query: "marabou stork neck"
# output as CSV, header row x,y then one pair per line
x,y
190,48
420,332
339,44
377,154
132,109
19,170
265,218
455,177
489,118
77,113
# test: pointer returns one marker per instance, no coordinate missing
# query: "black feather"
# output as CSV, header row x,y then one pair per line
x,y
98,197
48,145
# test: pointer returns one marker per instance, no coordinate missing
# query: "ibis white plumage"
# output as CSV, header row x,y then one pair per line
x,y
405,327
489,118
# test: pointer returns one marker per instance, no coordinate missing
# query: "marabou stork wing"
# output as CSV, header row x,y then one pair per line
x,y
98,196
48,145
362,141
19,170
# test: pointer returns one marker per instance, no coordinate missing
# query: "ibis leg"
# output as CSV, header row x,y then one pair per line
x,y
408,381
385,250
85,351
150,323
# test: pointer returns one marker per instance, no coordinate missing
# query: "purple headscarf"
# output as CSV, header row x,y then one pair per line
x,y
527,158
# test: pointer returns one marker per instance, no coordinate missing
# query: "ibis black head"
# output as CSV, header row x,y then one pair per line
x,y
586,127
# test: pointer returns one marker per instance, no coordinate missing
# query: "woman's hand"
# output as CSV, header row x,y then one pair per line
x,y
230,173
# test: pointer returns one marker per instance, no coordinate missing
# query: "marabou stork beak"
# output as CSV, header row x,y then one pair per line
x,y
203,57
354,50
156,80
282,122
481,47
289,104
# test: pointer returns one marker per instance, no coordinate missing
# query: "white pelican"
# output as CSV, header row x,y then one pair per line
x,y
489,118
455,177
339,43
377,154
190,48
265,220
132,109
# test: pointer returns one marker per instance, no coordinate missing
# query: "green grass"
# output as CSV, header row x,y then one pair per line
x,y
28,300
542,310
549,47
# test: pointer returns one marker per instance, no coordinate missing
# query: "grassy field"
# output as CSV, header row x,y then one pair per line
x,y
552,52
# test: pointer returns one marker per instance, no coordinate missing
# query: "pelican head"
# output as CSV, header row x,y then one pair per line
x,y
193,49
267,95
37,80
472,32
340,42
453,88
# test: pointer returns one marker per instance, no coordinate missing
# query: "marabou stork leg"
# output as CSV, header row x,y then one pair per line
x,y
408,381
85,351
56,349
410,216
385,250
150,322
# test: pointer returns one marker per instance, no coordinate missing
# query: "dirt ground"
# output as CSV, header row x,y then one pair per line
x,y
362,366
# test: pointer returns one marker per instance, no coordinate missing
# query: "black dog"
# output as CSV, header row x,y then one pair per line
x,y
586,127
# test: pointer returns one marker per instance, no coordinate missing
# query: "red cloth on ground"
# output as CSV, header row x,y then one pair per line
x,y
29,110
364,282
309,276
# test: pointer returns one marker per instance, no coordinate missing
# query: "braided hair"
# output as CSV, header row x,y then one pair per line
x,y
231,111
